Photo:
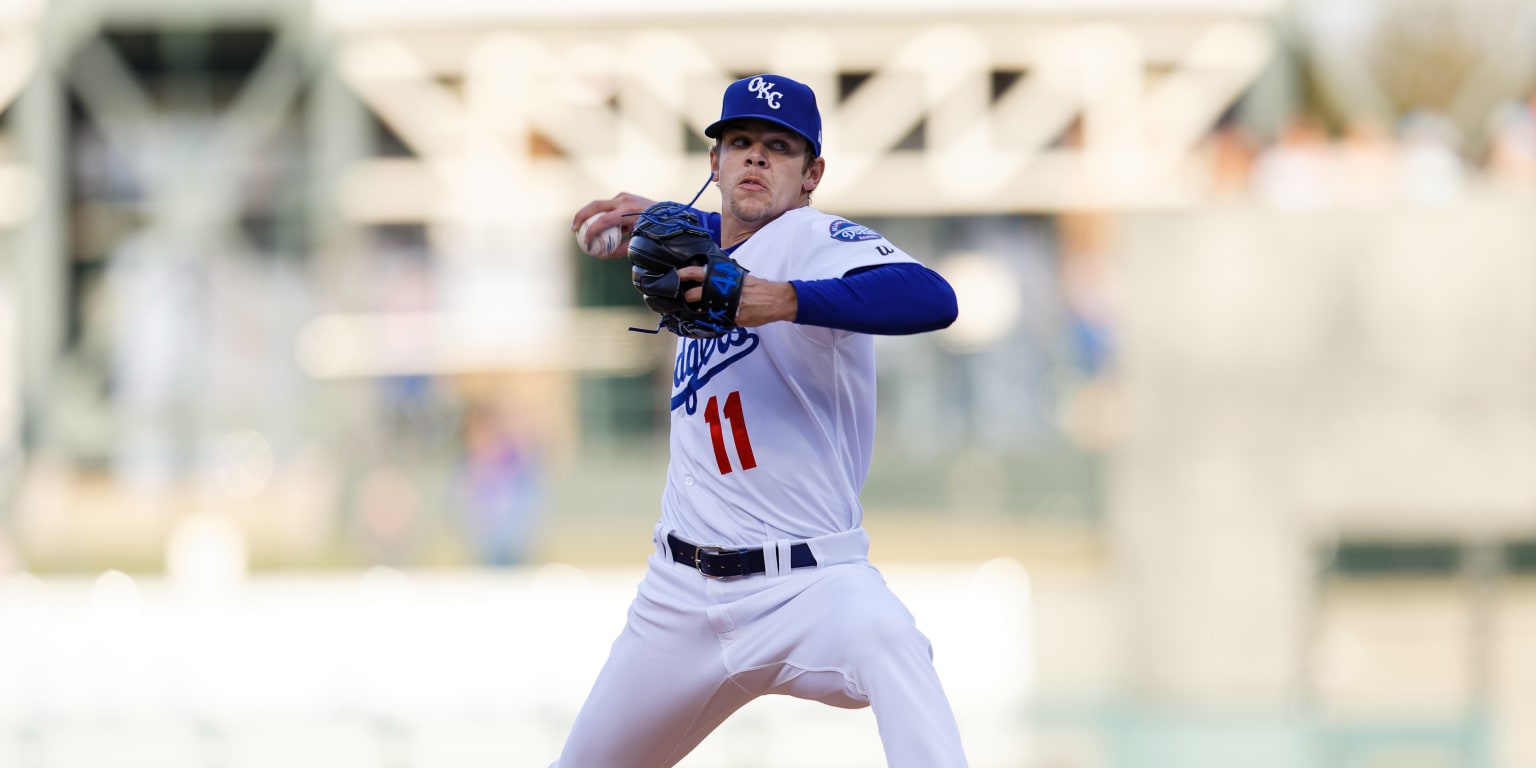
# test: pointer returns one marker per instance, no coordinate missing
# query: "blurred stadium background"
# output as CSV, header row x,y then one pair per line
x,y
322,445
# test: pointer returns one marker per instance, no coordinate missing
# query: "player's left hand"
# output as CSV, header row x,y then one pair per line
x,y
762,301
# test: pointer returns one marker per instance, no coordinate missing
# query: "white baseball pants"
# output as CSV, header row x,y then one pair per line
x,y
695,649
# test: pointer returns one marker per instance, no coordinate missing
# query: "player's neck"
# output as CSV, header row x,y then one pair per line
x,y
734,234
734,231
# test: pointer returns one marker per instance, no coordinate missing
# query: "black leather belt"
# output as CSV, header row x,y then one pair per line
x,y
719,562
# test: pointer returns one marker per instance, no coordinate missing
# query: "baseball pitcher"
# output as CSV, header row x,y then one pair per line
x,y
761,582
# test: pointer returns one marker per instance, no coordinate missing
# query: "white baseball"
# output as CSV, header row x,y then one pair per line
x,y
603,244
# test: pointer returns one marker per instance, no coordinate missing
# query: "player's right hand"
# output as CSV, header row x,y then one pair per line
x,y
617,211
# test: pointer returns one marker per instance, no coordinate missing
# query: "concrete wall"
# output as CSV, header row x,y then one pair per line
x,y
1296,377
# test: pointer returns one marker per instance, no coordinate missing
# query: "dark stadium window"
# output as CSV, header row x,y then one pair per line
x,y
916,139
1397,558
1003,80
601,282
385,141
225,49
620,407
694,142
848,82
191,63
1520,557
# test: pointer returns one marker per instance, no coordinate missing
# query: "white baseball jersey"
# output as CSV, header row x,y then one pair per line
x,y
772,434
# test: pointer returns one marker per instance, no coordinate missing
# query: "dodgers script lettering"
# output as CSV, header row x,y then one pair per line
x,y
697,364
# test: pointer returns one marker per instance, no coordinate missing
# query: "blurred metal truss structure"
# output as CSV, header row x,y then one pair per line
x,y
482,123
932,115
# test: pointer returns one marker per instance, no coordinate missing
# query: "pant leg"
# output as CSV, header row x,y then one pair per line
x,y
862,628
662,690
917,726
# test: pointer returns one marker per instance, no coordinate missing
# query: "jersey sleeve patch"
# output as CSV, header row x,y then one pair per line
x,y
849,232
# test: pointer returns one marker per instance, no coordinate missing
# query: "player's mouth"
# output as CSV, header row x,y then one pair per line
x,y
752,184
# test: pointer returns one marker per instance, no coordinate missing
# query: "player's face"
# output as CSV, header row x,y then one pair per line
x,y
762,170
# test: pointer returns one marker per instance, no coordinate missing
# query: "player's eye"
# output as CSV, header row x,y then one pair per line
x,y
780,146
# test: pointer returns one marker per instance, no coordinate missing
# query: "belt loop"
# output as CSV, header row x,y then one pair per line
x,y
786,556
776,558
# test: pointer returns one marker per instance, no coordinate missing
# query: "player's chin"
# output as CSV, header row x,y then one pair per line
x,y
752,207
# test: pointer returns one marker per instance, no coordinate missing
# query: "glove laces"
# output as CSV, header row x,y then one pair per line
x,y
674,212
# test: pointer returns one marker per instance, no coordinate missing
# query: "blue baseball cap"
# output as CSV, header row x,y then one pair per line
x,y
774,98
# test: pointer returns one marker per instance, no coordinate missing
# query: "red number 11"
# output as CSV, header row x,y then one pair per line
x,y
738,432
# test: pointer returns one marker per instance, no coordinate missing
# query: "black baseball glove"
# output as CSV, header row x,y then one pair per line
x,y
669,237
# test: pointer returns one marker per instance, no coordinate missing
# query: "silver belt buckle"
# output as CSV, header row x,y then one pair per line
x,y
698,558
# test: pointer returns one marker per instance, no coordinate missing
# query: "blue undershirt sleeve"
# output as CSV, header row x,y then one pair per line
x,y
886,299
711,221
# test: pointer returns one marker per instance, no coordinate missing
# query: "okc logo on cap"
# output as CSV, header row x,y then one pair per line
x,y
764,90
775,99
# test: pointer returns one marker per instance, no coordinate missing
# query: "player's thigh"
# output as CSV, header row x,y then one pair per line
x,y
663,688
852,613
649,708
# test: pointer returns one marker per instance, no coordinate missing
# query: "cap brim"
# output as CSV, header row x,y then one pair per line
x,y
714,129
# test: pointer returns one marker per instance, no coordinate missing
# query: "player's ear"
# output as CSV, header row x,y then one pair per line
x,y
714,165
813,175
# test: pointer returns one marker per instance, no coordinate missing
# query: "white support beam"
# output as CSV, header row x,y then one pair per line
x,y
419,14
617,102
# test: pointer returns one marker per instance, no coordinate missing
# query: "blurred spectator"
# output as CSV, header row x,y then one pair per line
x,y
1090,288
1511,159
415,408
387,505
501,487
1230,151
155,288
1367,156
1298,170
1087,284
1429,168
